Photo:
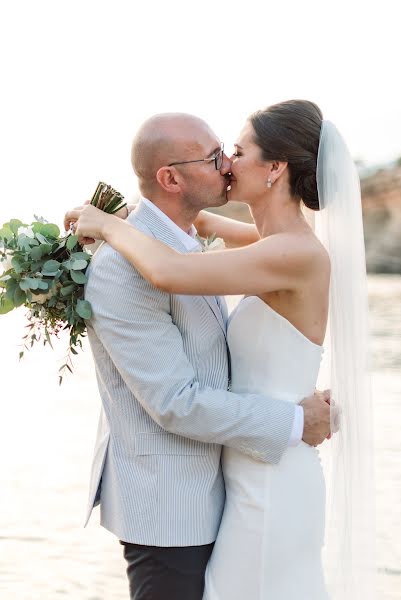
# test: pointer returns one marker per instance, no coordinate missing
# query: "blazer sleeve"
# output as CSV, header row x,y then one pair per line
x,y
132,321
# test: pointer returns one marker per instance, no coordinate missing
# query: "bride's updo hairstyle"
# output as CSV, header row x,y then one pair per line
x,y
290,132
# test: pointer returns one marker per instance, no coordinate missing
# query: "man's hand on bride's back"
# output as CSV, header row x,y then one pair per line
x,y
316,418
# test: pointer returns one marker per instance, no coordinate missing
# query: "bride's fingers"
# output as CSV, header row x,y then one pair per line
x,y
68,223
85,241
71,217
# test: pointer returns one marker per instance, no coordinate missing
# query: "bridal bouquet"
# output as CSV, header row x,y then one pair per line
x,y
45,273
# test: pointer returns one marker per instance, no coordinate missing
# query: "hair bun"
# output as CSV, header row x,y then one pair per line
x,y
308,191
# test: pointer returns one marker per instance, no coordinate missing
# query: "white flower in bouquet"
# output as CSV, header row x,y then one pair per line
x,y
5,263
27,231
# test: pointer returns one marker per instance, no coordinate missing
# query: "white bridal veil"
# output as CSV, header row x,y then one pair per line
x,y
348,457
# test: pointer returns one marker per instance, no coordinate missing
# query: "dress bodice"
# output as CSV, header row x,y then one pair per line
x,y
269,355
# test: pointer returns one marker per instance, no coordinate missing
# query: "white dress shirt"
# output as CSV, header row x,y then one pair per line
x,y
191,244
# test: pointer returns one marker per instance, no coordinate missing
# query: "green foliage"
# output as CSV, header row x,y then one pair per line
x,y
6,305
46,273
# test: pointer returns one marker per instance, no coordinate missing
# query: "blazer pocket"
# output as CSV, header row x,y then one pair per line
x,y
168,443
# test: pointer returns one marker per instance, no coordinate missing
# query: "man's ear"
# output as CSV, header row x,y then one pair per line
x,y
169,179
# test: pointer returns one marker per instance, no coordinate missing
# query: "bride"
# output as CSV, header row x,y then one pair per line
x,y
272,534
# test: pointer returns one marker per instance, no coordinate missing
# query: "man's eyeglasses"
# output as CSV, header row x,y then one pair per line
x,y
217,158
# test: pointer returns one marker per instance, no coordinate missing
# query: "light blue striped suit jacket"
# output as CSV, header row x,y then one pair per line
x,y
162,370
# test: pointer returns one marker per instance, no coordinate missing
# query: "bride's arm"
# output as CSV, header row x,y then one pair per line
x,y
234,233
274,263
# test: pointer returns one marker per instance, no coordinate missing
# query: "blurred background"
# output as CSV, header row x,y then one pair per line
x,y
77,80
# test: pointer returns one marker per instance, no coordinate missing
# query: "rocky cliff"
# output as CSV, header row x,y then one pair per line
x,y
381,203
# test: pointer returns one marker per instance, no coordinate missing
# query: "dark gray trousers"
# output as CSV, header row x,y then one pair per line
x,y
156,573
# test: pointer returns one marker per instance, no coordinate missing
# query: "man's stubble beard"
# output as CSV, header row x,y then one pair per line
x,y
197,202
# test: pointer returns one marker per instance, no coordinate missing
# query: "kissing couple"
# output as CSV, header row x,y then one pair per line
x,y
206,464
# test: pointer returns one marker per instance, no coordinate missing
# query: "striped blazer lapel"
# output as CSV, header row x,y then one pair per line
x,y
162,232
212,302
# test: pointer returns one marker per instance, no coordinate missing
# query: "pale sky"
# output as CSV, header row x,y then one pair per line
x,y
78,77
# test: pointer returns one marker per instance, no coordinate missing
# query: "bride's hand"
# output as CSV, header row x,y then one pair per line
x,y
88,223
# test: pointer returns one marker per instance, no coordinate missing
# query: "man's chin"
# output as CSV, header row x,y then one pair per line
x,y
220,201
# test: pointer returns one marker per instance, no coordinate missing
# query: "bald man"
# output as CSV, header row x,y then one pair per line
x,y
163,371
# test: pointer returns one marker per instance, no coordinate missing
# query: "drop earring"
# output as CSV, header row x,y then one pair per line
x,y
269,183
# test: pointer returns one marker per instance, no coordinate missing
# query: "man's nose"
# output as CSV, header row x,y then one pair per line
x,y
226,165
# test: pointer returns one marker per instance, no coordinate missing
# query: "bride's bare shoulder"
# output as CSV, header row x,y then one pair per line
x,y
301,246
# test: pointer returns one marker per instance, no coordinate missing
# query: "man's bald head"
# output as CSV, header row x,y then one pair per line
x,y
164,139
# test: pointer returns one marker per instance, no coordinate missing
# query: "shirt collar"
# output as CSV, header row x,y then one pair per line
x,y
188,239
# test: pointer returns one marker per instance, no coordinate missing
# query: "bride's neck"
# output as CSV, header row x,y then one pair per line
x,y
277,215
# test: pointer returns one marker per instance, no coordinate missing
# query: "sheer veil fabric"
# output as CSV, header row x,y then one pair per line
x,y
349,552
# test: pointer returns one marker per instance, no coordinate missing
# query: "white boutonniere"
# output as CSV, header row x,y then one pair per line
x,y
211,243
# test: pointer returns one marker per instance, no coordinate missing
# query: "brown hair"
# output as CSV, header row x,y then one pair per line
x,y
290,132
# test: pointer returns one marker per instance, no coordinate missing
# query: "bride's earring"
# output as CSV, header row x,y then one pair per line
x,y
269,183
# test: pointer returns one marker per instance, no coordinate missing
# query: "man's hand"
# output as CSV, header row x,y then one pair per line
x,y
316,418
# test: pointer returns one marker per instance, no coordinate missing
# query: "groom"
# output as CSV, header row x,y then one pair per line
x,y
163,370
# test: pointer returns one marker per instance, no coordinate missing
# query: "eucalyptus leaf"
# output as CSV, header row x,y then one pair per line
x,y
50,267
37,226
67,264
41,238
23,243
78,277
15,224
50,230
37,252
78,265
72,241
28,283
81,256
17,263
6,305
11,286
46,249
66,291
84,309
6,233
19,297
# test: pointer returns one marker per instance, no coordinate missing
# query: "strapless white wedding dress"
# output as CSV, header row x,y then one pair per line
x,y
271,536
